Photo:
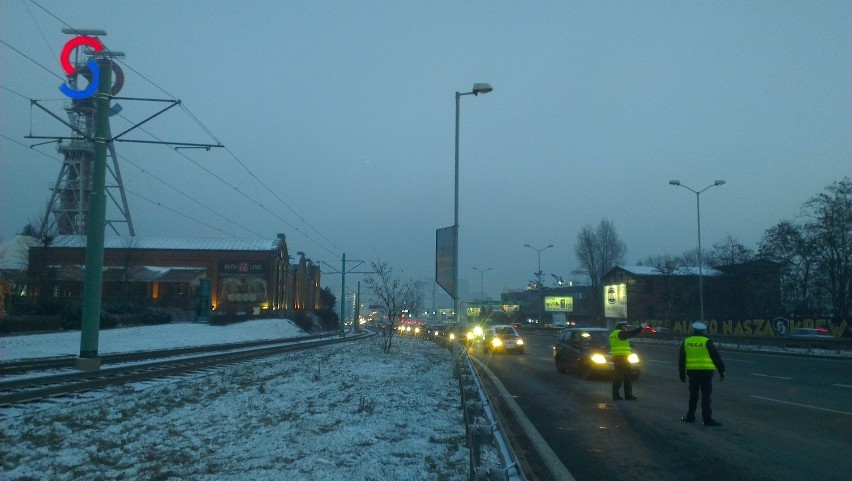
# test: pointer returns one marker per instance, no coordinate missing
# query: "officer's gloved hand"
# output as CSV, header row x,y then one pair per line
x,y
721,376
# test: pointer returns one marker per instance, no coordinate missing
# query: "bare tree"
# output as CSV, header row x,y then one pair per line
x,y
729,251
831,226
598,251
394,295
791,246
816,255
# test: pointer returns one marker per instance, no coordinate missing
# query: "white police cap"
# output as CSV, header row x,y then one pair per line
x,y
699,326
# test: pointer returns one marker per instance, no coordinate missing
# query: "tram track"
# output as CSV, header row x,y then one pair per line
x,y
179,362
24,366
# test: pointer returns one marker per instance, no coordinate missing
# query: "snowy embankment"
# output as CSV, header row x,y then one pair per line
x,y
339,413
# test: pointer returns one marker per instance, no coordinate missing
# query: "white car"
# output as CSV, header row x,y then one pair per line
x,y
502,338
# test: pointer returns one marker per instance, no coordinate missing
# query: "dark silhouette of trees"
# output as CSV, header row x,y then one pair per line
x,y
816,254
598,251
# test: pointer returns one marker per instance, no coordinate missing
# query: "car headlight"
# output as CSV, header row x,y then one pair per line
x,y
520,342
633,358
598,359
417,330
477,331
496,342
452,336
470,336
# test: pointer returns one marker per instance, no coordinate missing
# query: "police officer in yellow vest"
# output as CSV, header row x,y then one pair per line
x,y
698,359
619,346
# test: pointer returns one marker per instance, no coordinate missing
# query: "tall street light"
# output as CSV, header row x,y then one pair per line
x,y
482,281
478,88
700,262
538,275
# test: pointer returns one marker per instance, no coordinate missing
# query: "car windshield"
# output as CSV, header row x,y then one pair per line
x,y
505,331
591,337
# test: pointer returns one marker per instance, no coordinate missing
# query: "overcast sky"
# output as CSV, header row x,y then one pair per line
x,y
338,122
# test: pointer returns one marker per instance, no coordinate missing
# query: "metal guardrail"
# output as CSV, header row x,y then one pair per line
x,y
491,454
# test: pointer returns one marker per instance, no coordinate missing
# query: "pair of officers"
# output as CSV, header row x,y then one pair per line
x,y
697,360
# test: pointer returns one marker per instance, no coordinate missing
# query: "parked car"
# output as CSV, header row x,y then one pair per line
x,y
585,352
502,338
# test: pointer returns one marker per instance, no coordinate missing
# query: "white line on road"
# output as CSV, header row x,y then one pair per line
x,y
842,385
772,377
803,405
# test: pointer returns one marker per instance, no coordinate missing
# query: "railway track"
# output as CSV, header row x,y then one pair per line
x,y
179,362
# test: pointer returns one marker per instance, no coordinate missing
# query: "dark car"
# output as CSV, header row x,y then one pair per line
x,y
585,352
502,338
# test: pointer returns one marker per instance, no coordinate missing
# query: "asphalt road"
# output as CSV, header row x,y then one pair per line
x,y
784,418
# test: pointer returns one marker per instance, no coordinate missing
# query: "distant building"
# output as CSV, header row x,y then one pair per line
x,y
543,305
246,276
735,292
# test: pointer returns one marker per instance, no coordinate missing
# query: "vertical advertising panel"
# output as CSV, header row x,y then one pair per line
x,y
615,301
445,259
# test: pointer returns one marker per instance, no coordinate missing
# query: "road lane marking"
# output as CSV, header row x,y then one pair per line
x,y
772,377
842,385
803,405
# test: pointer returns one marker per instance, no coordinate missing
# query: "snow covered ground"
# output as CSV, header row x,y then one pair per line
x,y
338,413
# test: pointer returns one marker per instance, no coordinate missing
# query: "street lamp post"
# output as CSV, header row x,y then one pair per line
x,y
482,281
538,275
478,88
677,183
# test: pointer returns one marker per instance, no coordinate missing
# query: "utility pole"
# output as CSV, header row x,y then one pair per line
x,y
343,273
102,140
93,283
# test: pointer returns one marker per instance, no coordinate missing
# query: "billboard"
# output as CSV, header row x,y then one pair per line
x,y
615,301
558,303
445,259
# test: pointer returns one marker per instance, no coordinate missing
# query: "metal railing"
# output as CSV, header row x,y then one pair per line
x,y
491,454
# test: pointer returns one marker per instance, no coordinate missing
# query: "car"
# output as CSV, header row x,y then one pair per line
x,y
464,333
585,352
502,338
810,333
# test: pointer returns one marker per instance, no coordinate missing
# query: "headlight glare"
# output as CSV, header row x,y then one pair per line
x,y
598,359
496,342
633,358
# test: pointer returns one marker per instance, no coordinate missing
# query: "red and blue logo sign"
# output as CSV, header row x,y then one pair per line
x,y
92,67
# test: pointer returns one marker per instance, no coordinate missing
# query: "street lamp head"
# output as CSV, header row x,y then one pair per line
x,y
674,182
549,246
481,88
719,182
527,245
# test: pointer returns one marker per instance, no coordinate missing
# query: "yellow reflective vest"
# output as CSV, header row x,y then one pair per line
x,y
618,347
697,355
